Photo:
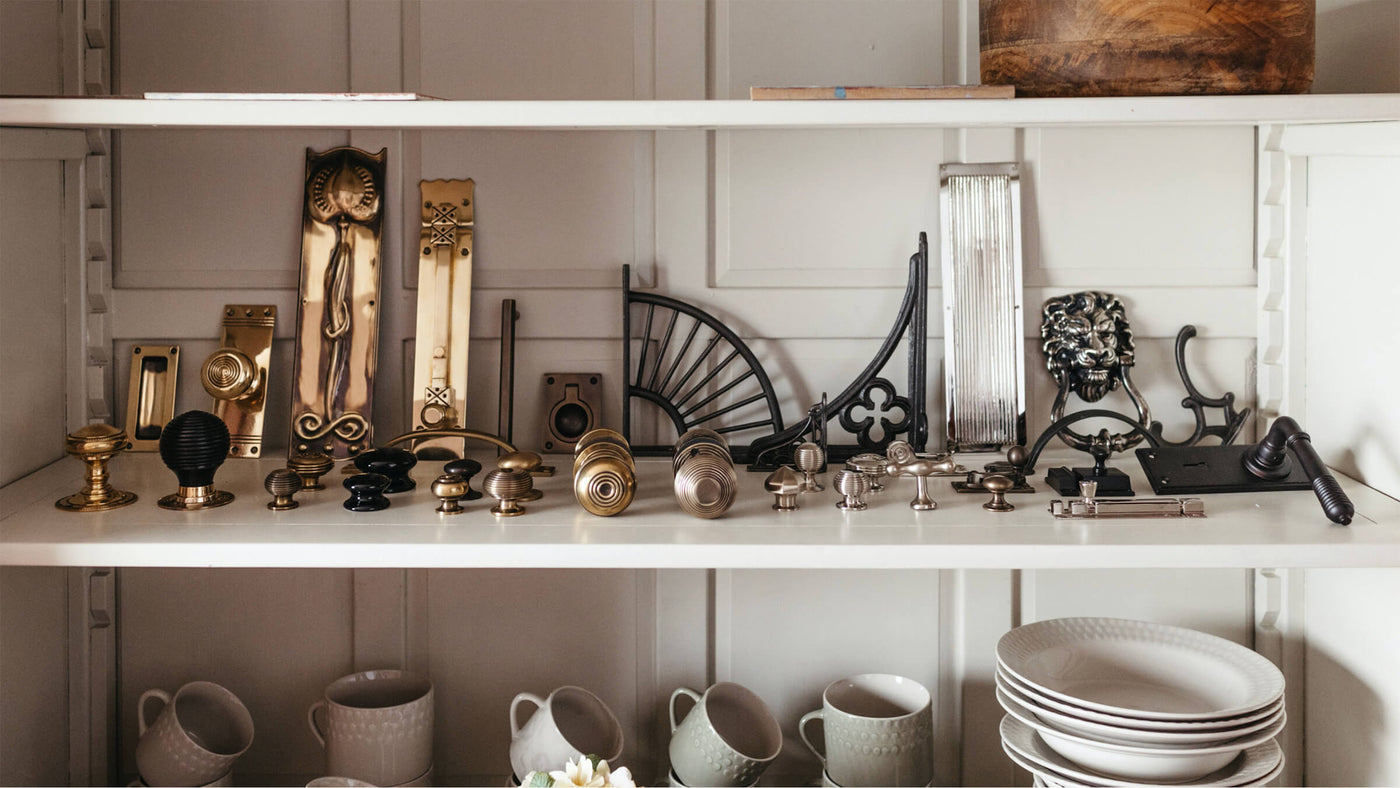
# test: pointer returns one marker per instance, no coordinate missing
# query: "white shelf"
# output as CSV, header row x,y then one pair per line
x,y
727,114
1247,530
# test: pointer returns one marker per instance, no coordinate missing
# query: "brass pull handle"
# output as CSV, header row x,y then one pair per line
x,y
229,374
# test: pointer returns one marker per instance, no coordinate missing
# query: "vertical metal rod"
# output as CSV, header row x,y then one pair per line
x,y
505,416
627,352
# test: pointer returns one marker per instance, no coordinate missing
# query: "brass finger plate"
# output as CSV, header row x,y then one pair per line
x,y
444,309
235,375
338,308
150,395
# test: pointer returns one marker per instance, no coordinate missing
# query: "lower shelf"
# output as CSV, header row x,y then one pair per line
x,y
1281,529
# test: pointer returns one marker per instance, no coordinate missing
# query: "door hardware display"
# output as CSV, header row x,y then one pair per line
x,y
150,395
1087,507
338,308
235,375
445,241
571,404
984,356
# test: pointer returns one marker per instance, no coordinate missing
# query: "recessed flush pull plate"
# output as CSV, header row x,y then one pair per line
x,y
235,375
444,308
1087,507
150,396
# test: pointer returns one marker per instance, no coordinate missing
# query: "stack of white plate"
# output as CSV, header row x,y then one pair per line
x,y
1112,702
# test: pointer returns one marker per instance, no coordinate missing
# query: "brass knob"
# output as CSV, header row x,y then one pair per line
x,y
465,467
311,466
450,488
508,486
600,435
526,461
229,374
605,475
96,445
853,485
809,459
785,484
998,486
282,483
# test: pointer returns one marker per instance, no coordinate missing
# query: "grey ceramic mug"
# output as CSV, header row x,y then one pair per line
x,y
195,739
378,726
878,730
727,739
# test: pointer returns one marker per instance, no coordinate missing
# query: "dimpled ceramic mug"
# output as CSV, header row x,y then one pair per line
x,y
569,723
379,726
196,737
727,739
878,730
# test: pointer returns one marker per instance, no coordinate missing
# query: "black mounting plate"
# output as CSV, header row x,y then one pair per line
x,y
1113,484
1194,470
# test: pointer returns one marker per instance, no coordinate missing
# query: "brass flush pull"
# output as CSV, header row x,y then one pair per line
x,y
444,309
150,396
235,375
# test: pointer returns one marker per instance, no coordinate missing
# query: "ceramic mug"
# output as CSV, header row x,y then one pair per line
x,y
728,738
878,730
569,723
378,726
195,739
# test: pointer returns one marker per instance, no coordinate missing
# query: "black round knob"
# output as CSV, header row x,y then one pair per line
x,y
194,445
393,463
366,492
466,468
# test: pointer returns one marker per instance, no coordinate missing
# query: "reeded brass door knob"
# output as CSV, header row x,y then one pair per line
x,y
228,374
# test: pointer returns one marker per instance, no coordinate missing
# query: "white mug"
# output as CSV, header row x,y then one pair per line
x,y
379,726
878,730
570,723
727,739
195,739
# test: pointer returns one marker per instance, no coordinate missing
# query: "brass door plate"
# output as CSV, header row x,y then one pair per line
x,y
338,308
235,375
444,309
150,395
572,407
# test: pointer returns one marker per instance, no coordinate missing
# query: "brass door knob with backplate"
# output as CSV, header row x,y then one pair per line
x,y
235,375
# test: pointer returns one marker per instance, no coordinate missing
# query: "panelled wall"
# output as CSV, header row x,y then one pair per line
x,y
820,222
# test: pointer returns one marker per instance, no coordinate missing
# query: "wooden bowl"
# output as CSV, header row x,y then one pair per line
x,y
1147,47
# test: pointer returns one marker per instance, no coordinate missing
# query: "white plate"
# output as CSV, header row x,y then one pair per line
x,y
1140,669
1135,762
1050,779
1008,696
1005,679
1248,768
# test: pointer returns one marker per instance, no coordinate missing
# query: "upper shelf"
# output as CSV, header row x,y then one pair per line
x,y
353,113
1284,529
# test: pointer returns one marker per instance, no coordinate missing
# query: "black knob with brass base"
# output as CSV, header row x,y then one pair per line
x,y
194,445
96,445
282,484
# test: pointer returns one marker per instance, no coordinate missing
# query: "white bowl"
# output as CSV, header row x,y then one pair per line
x,y
1139,669
1006,680
1248,768
1009,698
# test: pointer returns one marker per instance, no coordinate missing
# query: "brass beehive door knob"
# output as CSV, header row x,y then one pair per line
x,y
228,374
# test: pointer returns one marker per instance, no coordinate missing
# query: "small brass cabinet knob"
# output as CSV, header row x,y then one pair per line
x,y
96,445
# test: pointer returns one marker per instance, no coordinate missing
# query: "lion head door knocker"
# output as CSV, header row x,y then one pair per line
x,y
338,312
1088,348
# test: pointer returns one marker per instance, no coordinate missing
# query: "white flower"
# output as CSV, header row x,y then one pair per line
x,y
622,778
591,772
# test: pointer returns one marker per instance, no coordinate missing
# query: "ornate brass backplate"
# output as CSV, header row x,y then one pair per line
x,y
235,375
150,395
444,309
338,309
